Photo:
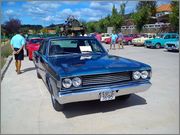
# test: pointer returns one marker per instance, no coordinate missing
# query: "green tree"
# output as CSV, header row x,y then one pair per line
x,y
145,9
116,19
57,29
151,5
174,17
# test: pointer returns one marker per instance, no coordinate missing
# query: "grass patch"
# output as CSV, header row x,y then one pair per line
x,y
5,52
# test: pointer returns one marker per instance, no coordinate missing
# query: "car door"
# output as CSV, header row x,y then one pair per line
x,y
167,38
41,59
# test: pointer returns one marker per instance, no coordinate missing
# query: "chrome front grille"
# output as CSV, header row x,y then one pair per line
x,y
170,45
106,78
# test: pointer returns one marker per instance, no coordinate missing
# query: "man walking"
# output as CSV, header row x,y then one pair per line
x,y
113,40
17,44
120,39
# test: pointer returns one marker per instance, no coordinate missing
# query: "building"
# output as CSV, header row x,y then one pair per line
x,y
162,13
159,23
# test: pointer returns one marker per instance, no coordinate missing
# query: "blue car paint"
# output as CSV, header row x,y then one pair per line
x,y
53,68
161,41
98,64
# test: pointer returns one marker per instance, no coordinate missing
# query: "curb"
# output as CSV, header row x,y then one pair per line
x,y
5,67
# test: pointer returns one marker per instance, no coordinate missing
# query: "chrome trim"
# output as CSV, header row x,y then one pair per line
x,y
94,93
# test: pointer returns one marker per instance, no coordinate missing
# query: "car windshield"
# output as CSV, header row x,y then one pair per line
x,y
70,46
35,41
160,36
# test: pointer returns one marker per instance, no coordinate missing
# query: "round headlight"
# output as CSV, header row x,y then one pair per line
x,y
76,82
67,83
136,75
144,74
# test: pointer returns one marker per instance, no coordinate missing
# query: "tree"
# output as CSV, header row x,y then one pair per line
x,y
145,9
12,26
151,5
114,11
174,17
116,19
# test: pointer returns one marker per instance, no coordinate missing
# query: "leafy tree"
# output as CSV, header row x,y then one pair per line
x,y
174,17
145,9
151,5
57,30
12,26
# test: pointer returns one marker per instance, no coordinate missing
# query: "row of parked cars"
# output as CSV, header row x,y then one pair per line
x,y
170,41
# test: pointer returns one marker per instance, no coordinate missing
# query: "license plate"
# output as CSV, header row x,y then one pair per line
x,y
108,95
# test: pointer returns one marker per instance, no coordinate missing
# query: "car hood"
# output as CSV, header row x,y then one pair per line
x,y
89,64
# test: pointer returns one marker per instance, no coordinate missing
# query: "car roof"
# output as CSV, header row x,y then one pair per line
x,y
70,37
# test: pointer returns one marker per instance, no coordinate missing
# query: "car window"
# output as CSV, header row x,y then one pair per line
x,y
174,36
167,37
67,46
41,48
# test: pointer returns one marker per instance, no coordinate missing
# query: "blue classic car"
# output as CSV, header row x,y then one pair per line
x,y
172,46
160,41
80,69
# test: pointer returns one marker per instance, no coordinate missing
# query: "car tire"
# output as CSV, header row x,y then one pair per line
x,y
125,97
158,46
56,105
129,42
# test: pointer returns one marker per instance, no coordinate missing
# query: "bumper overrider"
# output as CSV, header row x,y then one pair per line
x,y
87,94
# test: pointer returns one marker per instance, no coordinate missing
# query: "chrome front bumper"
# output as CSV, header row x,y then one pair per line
x,y
94,93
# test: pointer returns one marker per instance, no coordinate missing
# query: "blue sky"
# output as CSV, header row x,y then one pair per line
x,y
48,12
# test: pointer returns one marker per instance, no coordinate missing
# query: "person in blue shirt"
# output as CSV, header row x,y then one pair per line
x,y
113,40
17,44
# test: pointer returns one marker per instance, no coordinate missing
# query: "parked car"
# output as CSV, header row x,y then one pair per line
x,y
108,40
104,36
172,46
32,45
140,41
128,38
79,69
161,40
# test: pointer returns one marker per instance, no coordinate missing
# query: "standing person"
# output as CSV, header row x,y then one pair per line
x,y
17,44
98,36
120,40
113,40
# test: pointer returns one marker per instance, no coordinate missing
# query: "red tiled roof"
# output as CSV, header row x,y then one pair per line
x,y
163,8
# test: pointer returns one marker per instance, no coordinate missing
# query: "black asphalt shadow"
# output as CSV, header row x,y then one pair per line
x,y
90,107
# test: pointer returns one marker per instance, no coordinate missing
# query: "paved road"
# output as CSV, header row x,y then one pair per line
x,y
26,105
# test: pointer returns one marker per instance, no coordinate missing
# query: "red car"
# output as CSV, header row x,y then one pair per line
x,y
33,45
128,38
108,40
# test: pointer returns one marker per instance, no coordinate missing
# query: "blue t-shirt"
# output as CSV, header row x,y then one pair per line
x,y
114,37
18,41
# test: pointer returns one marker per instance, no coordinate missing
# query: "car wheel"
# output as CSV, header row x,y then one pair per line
x,y
129,42
58,107
158,46
125,97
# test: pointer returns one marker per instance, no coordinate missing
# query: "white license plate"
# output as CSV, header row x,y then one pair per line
x,y
108,95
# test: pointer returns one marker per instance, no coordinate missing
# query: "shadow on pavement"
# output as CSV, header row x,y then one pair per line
x,y
89,107
28,69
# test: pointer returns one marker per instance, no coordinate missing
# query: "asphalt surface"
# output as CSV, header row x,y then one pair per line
x,y
26,105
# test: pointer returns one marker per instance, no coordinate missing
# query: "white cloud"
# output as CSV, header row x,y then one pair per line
x,y
11,3
9,12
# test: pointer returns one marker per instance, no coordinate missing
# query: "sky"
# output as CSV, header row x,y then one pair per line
x,y
55,12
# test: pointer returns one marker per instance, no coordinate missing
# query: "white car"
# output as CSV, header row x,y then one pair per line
x,y
104,36
140,41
